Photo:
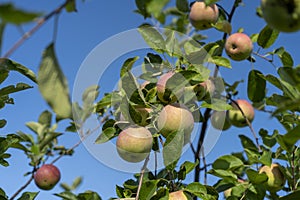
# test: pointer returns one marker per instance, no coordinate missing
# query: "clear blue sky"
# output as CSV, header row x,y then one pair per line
x,y
78,34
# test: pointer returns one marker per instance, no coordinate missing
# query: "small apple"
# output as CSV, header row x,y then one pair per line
x,y
276,179
238,46
282,15
220,121
134,144
47,176
202,91
178,195
163,93
235,115
175,117
202,16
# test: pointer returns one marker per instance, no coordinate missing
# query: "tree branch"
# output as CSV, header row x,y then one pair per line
x,y
141,177
23,187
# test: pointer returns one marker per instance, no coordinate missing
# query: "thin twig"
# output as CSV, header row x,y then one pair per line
x,y
39,24
204,165
23,187
141,177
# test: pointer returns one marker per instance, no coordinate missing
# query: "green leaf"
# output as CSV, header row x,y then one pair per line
x,y
285,57
67,195
255,177
172,44
292,137
76,182
148,189
45,118
71,6
196,189
106,135
227,162
182,5
89,195
256,86
142,7
225,174
155,7
6,64
266,158
153,38
3,195
10,14
216,104
2,30
248,143
221,61
48,139
173,148
28,196
292,196
267,37
127,65
189,166
53,84
12,89
2,123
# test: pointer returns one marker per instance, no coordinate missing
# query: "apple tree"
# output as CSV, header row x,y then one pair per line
x,y
155,115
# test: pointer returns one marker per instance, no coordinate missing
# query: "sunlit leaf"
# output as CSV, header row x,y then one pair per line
x,y
256,86
267,37
153,38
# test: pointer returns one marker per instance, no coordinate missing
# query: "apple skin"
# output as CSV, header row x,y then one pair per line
x,y
161,89
236,117
276,179
178,195
47,176
145,114
282,15
220,121
238,46
134,144
175,117
202,16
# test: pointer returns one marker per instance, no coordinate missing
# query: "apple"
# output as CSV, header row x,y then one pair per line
x,y
282,15
163,92
202,91
134,144
236,117
144,113
276,179
173,118
238,46
202,16
220,121
47,176
178,195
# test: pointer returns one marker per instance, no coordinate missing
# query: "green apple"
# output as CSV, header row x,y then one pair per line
x,y
220,121
202,16
47,176
236,117
163,93
173,118
134,144
238,46
276,179
178,195
282,15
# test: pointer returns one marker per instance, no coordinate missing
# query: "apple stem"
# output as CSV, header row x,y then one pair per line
x,y
141,177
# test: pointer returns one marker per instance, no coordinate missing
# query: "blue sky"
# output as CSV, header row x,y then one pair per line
x,y
78,34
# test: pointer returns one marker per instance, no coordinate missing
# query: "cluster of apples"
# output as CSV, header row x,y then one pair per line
x,y
238,46
238,116
47,176
135,142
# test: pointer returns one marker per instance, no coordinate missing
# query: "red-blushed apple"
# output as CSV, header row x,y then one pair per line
x,y
47,176
202,16
220,121
238,46
236,117
178,195
134,144
163,93
173,118
276,178
282,15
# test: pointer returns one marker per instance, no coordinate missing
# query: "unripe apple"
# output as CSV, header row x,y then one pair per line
x,y
173,118
238,46
204,90
282,15
163,93
134,144
178,195
220,121
202,16
47,176
276,179
235,115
